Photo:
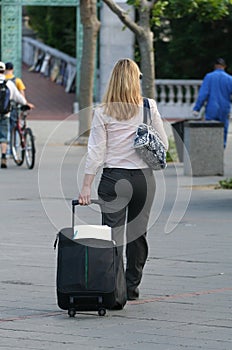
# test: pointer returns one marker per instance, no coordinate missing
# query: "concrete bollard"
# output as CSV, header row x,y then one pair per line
x,y
204,148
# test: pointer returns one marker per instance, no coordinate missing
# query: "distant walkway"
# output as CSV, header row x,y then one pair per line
x,y
50,99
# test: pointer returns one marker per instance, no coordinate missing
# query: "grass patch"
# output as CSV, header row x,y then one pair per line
x,y
226,184
172,152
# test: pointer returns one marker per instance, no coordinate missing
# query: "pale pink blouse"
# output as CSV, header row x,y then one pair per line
x,y
111,141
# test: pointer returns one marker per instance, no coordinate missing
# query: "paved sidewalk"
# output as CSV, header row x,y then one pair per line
x,y
186,291
50,99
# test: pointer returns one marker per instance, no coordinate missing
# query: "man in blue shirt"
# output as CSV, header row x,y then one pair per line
x,y
215,91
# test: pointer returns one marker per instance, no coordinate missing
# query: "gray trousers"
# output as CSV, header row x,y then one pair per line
x,y
128,196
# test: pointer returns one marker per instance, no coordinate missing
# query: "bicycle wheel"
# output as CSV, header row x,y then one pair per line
x,y
17,147
29,148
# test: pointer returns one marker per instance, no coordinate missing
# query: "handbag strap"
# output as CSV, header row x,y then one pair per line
x,y
146,111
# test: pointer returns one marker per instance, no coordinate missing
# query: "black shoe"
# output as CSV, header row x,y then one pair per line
x,y
3,163
133,294
116,307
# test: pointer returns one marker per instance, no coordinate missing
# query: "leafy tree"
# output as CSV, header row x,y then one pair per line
x,y
152,12
186,48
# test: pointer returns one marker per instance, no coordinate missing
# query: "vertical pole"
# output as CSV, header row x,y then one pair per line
x,y
11,35
96,78
79,44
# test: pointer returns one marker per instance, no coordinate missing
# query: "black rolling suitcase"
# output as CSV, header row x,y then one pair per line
x,y
90,273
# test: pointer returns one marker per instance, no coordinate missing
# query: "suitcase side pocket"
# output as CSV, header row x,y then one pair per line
x,y
71,272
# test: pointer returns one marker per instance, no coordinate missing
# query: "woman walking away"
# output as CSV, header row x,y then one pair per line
x,y
127,184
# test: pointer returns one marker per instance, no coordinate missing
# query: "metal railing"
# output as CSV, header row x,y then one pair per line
x,y
60,67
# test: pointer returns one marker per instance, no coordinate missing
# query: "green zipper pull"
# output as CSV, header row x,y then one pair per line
x,y
86,267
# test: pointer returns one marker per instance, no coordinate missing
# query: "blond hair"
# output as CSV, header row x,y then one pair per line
x,y
123,94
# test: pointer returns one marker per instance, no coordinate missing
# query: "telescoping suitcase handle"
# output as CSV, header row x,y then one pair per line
x,y
75,202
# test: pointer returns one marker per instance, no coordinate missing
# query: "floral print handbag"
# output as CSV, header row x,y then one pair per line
x,y
147,142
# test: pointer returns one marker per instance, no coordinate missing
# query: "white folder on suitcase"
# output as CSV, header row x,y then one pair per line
x,y
92,231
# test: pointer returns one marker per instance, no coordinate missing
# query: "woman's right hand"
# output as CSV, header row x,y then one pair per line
x,y
84,196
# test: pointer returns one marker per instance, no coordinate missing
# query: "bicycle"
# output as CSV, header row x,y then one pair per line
x,y
22,139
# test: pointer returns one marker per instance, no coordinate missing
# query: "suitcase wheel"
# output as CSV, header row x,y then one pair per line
x,y
102,312
72,312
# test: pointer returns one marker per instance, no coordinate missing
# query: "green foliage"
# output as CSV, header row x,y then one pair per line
x,y
206,10
172,152
55,26
186,48
226,184
158,12
135,3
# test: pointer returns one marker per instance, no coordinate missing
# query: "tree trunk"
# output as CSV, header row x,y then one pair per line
x,y
145,41
147,64
91,25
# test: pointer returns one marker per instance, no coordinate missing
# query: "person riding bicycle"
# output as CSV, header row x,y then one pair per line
x,y
16,96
